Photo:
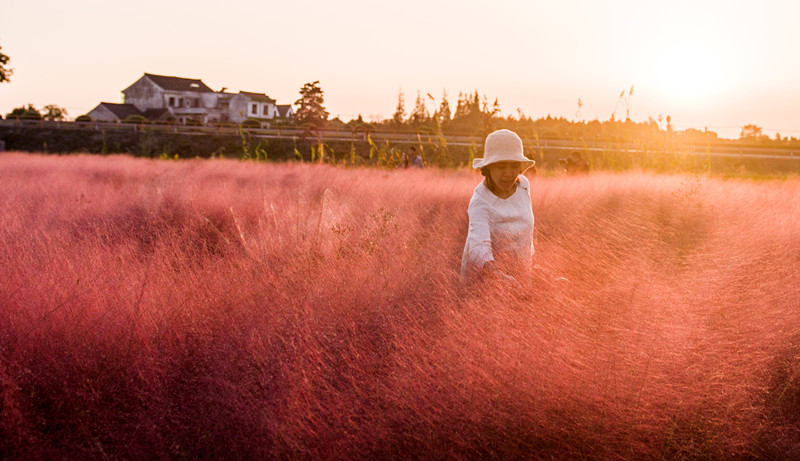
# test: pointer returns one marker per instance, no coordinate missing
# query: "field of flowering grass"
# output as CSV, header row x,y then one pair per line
x,y
241,310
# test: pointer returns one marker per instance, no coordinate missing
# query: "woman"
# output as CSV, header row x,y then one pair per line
x,y
500,238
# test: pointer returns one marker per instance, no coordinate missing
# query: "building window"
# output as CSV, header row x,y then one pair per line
x,y
254,109
171,101
265,110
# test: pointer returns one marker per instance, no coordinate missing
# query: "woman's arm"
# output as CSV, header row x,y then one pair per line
x,y
479,238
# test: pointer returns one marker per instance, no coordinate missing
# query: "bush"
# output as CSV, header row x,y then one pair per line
x,y
25,113
362,127
226,124
135,119
31,115
83,118
251,123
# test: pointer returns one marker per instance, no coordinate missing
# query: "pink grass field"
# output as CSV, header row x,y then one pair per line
x,y
237,310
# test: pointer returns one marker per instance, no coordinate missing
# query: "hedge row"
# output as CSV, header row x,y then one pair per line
x,y
174,145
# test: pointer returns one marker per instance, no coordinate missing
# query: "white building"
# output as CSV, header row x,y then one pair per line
x,y
188,100
251,105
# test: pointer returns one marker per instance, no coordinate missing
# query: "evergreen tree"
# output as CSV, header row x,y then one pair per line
x,y
400,111
462,106
475,104
444,108
309,106
420,113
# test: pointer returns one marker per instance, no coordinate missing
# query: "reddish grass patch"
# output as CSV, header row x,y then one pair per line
x,y
217,309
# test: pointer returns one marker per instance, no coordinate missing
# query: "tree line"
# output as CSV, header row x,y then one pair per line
x,y
474,114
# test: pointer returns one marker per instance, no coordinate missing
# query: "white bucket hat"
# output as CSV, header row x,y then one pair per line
x,y
502,146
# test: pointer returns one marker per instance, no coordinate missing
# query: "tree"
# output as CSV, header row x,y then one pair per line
x,y
53,112
468,115
750,132
5,72
475,104
462,106
420,113
25,113
309,107
400,111
444,108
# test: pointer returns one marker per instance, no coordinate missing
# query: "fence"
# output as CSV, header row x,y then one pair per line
x,y
730,149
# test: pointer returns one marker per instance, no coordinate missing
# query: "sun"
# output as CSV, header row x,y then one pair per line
x,y
688,72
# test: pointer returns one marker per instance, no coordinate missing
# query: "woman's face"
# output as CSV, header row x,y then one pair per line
x,y
504,176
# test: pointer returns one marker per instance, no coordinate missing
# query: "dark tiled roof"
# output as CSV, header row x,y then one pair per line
x,y
257,96
283,110
179,83
121,110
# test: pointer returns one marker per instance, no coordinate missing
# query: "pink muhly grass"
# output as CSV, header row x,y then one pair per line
x,y
234,309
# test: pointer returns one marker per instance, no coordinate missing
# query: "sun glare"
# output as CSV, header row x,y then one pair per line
x,y
688,72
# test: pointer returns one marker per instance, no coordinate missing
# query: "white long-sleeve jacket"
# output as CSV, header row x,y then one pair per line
x,y
500,230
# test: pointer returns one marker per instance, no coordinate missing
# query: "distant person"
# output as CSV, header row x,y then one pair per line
x,y
575,164
414,160
500,237
403,161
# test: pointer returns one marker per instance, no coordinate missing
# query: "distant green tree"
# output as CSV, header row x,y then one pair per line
x,y
489,114
462,106
5,72
310,109
468,116
26,113
444,108
750,132
469,106
420,113
16,113
53,112
400,110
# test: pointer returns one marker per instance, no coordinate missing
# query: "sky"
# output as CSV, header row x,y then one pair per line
x,y
707,64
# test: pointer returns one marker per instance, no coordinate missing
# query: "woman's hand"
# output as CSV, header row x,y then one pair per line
x,y
490,268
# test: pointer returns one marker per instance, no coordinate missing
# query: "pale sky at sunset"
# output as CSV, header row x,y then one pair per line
x,y
715,64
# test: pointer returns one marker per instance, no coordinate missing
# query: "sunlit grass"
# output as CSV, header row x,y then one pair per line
x,y
209,308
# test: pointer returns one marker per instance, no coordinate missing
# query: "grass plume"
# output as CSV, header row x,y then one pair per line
x,y
199,309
